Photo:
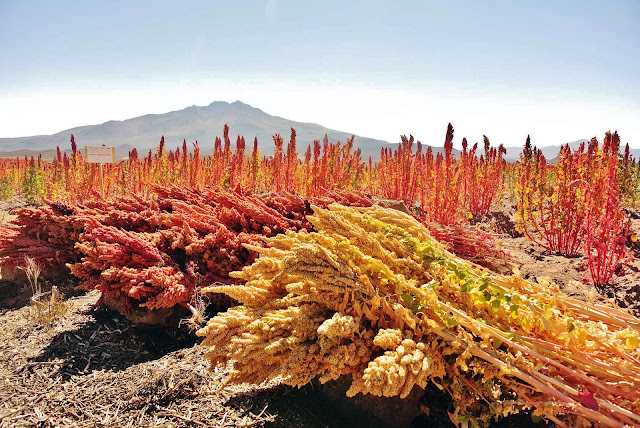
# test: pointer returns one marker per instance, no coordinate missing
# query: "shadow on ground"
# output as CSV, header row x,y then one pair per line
x,y
326,406
290,407
108,341
16,293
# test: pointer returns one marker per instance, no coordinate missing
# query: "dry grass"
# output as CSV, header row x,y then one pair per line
x,y
198,308
48,308
32,270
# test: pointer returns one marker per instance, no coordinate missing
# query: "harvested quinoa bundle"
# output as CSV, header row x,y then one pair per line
x,y
372,295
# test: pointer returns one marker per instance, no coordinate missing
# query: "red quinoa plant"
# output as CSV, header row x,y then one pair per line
x,y
575,206
607,226
483,176
551,198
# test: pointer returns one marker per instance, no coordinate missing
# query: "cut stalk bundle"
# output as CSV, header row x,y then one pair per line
x,y
371,294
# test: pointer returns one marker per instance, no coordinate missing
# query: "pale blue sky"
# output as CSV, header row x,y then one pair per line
x,y
557,70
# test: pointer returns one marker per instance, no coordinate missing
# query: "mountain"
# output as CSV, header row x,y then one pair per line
x,y
549,152
204,124
374,150
192,123
46,153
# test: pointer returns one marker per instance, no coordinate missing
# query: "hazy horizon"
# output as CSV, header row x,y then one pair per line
x,y
554,70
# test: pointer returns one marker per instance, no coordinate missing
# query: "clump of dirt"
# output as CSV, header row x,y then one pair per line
x,y
501,220
7,206
498,222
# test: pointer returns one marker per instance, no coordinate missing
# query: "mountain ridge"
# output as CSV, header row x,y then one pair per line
x,y
203,124
193,123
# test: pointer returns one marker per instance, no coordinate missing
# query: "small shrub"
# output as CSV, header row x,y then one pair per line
x,y
48,308
33,187
6,189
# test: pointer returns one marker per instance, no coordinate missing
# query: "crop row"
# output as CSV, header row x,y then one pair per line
x,y
573,206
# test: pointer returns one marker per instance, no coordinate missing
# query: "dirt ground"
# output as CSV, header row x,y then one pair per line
x,y
93,368
570,273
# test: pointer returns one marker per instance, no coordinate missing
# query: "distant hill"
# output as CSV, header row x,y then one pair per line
x,y
374,150
192,123
47,154
549,152
204,124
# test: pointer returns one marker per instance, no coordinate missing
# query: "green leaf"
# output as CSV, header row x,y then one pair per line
x,y
407,298
449,322
412,302
514,310
462,418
